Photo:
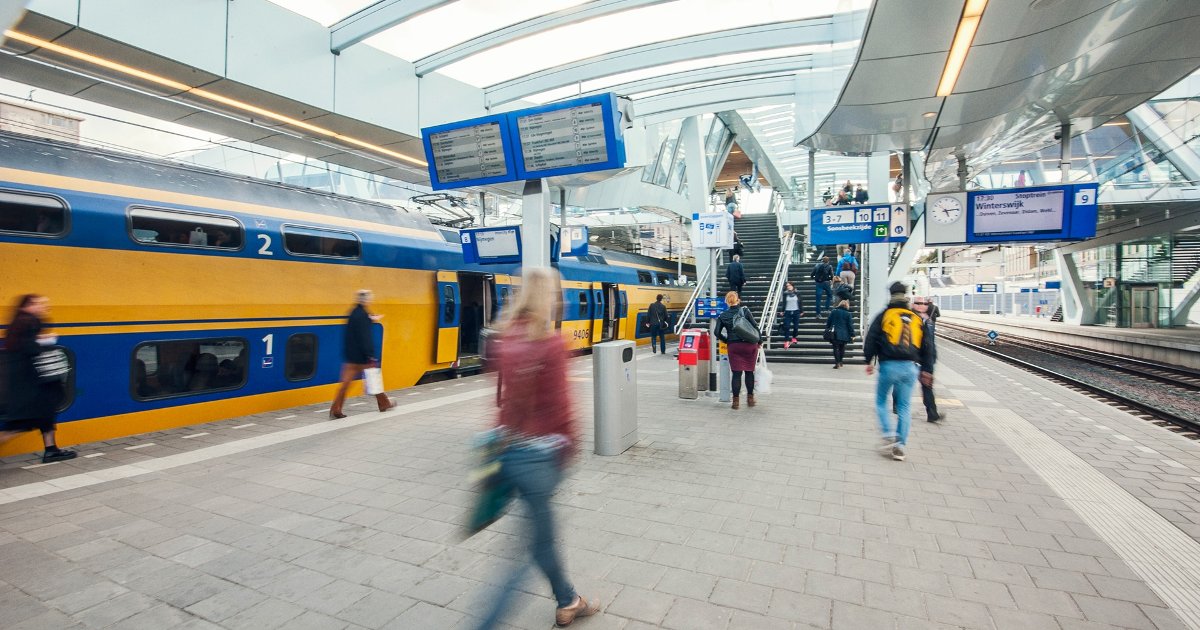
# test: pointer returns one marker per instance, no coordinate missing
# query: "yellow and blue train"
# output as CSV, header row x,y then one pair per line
x,y
183,295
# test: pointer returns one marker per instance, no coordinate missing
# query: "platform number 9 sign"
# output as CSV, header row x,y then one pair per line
x,y
1085,197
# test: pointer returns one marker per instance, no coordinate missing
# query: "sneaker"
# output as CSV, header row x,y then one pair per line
x,y
898,452
793,340
787,344
887,444
58,455
581,607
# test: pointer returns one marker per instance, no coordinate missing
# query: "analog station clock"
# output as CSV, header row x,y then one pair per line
x,y
946,209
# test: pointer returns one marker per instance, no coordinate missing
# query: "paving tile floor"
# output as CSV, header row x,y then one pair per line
x,y
781,516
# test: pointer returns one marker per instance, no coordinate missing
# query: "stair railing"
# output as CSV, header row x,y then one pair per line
x,y
767,324
690,309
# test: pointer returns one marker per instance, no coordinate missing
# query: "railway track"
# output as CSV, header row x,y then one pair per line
x,y
1163,394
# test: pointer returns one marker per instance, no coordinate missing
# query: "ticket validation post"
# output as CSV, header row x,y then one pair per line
x,y
714,232
689,357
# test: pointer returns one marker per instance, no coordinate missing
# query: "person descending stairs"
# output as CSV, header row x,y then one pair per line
x,y
759,235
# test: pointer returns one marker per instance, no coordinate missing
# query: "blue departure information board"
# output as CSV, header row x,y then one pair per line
x,y
495,245
1035,213
577,136
469,153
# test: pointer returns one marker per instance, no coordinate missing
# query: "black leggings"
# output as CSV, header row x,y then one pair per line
x,y
737,383
839,351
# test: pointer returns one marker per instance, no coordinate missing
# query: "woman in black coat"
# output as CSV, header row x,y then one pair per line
x,y
743,354
842,324
32,404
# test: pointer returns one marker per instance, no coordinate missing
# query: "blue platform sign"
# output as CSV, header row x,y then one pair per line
x,y
859,224
495,245
710,308
574,241
469,153
1042,213
989,287
576,136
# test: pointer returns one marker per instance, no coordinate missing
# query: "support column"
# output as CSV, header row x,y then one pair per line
x,y
562,210
1078,307
692,137
874,264
1148,121
812,179
535,224
482,209
1064,154
962,172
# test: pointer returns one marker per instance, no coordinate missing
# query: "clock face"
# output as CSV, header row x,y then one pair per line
x,y
946,210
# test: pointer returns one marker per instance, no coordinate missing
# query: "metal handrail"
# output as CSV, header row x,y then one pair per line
x,y
767,324
690,309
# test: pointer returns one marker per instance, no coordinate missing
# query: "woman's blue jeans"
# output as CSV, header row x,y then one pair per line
x,y
534,472
900,376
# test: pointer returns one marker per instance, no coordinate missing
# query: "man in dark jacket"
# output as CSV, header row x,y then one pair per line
x,y
822,273
927,310
897,339
657,318
735,275
358,353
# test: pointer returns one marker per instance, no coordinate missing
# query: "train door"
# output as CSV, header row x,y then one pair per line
x,y
611,311
475,292
622,314
448,317
599,319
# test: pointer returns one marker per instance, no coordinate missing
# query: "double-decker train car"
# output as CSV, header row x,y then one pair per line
x,y
184,296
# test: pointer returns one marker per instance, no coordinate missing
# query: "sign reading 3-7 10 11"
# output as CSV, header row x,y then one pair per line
x,y
860,224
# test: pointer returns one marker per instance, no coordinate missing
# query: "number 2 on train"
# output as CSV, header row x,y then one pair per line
x,y
265,250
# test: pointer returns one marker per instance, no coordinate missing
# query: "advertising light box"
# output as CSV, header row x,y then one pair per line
x,y
469,153
575,136
491,245
714,230
1042,213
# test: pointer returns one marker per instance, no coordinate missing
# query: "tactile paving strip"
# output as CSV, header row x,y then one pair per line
x,y
1166,558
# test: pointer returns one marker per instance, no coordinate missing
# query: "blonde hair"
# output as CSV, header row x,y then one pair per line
x,y
845,303
540,294
732,299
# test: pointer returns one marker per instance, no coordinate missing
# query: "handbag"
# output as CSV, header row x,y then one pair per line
x,y
373,381
762,374
51,366
829,335
743,330
494,494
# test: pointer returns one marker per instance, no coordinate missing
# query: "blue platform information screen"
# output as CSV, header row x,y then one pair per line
x,y
1035,213
469,153
575,136
491,245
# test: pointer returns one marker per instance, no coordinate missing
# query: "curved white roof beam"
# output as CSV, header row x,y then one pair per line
x,y
746,39
746,69
532,26
715,97
375,19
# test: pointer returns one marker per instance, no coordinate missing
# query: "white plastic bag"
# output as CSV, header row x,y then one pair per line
x,y
762,374
373,381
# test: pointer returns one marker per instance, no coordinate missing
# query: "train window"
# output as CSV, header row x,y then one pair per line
x,y
644,277
163,369
300,361
155,226
583,303
25,213
307,241
665,279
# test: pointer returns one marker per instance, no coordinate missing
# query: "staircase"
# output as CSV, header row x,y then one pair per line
x,y
760,238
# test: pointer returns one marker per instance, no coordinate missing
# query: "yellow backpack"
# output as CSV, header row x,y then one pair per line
x,y
903,330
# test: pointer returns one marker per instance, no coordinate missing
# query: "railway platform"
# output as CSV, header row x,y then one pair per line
x,y
1029,506
1177,346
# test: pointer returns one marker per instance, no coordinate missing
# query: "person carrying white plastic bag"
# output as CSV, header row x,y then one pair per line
x,y
762,374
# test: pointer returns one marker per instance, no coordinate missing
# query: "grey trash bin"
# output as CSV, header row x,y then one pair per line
x,y
614,377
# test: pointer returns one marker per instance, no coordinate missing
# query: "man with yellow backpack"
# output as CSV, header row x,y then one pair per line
x,y
897,339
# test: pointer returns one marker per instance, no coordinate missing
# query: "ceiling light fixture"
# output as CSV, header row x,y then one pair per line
x,y
929,115
963,36
205,94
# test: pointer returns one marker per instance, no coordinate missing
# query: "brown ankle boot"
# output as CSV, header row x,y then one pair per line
x,y
737,402
750,399
581,607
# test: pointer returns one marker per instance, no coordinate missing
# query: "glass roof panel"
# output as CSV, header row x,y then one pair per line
x,y
636,27
672,68
458,22
327,12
